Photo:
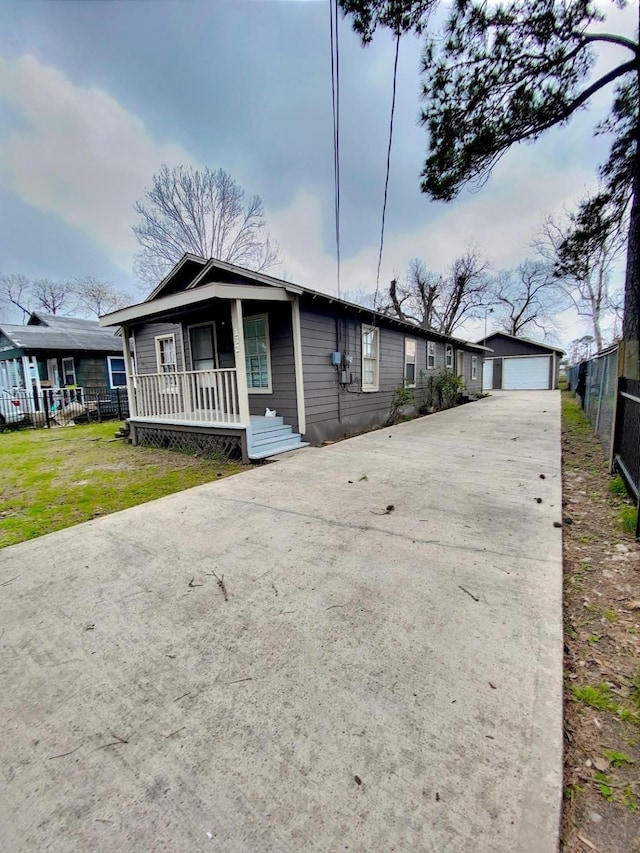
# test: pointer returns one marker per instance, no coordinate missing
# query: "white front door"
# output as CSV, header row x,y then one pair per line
x,y
487,374
53,373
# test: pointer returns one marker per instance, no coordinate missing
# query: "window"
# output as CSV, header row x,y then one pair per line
x,y
410,362
202,347
257,354
431,354
68,371
474,367
370,358
117,371
166,354
448,356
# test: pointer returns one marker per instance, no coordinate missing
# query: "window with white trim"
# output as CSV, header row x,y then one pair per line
x,y
474,367
410,348
117,371
68,371
431,355
166,354
257,354
370,358
448,356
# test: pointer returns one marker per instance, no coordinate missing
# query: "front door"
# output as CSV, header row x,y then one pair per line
x,y
460,363
203,347
53,372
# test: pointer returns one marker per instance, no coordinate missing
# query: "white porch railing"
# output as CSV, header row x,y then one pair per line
x,y
197,396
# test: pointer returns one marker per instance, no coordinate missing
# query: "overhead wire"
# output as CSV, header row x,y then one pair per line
x,y
386,180
335,103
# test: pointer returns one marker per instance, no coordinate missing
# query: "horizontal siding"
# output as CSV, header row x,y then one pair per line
x,y
283,380
145,345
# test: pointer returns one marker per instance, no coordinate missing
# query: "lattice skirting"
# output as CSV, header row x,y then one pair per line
x,y
204,444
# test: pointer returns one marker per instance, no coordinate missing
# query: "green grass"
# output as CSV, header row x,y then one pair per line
x,y
60,477
602,699
617,487
628,516
617,759
574,419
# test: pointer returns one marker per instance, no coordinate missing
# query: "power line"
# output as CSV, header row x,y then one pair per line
x,y
386,180
335,102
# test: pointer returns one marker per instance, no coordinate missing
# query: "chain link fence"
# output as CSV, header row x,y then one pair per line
x,y
595,383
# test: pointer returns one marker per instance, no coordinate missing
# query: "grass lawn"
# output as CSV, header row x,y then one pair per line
x,y
50,479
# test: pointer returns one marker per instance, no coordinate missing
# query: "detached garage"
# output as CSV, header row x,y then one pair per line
x,y
518,364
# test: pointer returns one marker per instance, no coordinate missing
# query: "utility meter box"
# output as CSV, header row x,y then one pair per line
x,y
336,359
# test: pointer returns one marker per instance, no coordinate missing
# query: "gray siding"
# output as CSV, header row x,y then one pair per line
x,y
145,345
283,377
334,409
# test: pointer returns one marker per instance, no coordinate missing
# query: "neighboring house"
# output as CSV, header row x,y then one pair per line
x,y
217,345
519,364
53,352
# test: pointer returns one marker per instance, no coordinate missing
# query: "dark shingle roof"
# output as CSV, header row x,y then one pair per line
x,y
65,334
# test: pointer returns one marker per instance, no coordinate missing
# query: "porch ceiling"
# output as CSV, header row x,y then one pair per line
x,y
185,299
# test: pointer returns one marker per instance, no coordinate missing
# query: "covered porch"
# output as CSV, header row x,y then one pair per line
x,y
214,361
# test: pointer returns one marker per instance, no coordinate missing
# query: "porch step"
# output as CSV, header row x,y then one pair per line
x,y
281,433
276,447
270,436
262,424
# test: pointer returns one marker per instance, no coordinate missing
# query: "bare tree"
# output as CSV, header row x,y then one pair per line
x,y
52,296
440,302
527,298
96,297
15,290
583,267
186,210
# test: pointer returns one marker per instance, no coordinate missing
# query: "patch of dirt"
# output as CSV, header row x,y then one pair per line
x,y
602,652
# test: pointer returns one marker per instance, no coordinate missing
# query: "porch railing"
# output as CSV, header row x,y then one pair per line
x,y
198,396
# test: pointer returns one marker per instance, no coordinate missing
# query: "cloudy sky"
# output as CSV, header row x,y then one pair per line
x,y
96,94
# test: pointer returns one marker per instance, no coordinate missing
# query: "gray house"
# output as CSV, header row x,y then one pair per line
x,y
518,364
219,349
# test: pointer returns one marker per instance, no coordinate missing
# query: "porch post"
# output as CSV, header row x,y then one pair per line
x,y
297,360
128,366
36,373
241,371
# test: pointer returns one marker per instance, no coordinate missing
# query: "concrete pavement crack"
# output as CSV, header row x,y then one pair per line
x,y
368,528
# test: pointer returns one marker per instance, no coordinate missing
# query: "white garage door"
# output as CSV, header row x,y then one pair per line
x,y
525,374
487,375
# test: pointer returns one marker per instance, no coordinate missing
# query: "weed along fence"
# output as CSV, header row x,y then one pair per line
x,y
595,383
626,443
58,407
612,404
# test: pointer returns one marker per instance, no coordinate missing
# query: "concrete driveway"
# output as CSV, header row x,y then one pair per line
x,y
378,679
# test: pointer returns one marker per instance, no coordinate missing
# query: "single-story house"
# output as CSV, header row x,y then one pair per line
x,y
53,352
219,349
519,364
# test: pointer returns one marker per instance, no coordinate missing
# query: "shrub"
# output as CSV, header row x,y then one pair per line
x,y
447,386
402,397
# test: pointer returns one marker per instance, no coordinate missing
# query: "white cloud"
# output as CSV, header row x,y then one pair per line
x,y
78,154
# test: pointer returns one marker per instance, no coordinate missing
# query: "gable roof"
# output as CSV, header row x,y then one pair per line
x,y
64,334
520,340
57,321
214,278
